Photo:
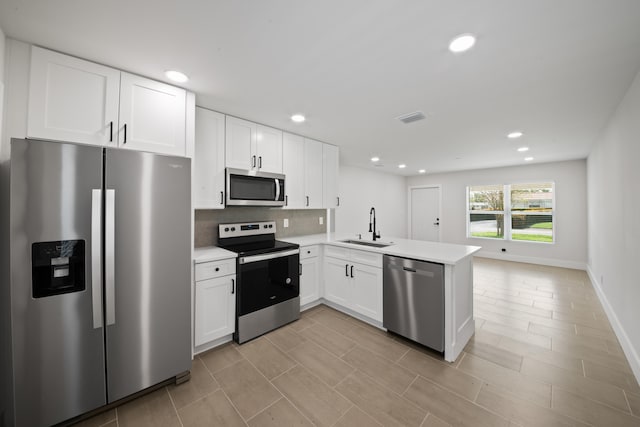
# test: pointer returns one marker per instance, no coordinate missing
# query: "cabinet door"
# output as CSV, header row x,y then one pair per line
x,y
313,173
72,100
309,281
269,149
367,291
330,170
293,168
239,144
337,284
208,160
215,309
152,116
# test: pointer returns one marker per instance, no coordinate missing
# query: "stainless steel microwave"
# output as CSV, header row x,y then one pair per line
x,y
252,188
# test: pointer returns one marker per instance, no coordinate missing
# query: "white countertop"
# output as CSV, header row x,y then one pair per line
x,y
444,253
211,253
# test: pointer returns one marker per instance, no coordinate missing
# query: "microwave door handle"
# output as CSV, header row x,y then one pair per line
x,y
277,189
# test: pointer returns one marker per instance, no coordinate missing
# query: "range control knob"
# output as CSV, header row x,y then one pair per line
x,y
226,229
270,225
233,229
264,226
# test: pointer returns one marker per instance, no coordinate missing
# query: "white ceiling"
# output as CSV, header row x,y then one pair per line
x,y
555,69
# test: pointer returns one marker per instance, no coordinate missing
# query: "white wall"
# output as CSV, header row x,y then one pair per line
x,y
2,51
614,221
570,222
361,189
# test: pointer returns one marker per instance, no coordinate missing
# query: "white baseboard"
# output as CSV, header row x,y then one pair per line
x,y
533,260
623,338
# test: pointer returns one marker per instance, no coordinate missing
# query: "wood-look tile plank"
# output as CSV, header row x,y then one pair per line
x,y
522,411
634,403
265,356
589,411
285,338
213,409
385,406
323,364
539,340
602,357
302,323
151,410
200,384
442,374
281,413
316,400
247,388
383,370
332,320
356,417
605,374
221,357
494,354
507,380
450,407
561,360
433,421
378,342
570,381
328,339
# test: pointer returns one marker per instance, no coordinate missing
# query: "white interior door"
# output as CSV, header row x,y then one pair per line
x,y
424,220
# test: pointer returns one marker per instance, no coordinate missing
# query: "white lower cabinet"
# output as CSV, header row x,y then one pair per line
x,y
215,300
310,275
354,285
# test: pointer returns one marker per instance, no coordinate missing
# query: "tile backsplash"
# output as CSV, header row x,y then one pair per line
x,y
301,222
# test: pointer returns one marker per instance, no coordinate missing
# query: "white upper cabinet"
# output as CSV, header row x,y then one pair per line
x,y
330,167
313,173
208,160
152,116
252,146
74,100
293,169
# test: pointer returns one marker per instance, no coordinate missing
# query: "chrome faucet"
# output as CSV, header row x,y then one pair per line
x,y
375,235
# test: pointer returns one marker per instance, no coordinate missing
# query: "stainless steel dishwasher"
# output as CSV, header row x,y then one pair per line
x,y
413,300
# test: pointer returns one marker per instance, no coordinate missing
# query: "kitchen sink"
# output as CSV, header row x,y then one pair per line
x,y
366,243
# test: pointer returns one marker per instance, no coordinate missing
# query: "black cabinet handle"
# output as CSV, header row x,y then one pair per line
x,y
233,286
217,268
253,164
300,269
346,270
338,204
222,197
286,200
260,162
125,134
352,271
111,131
307,200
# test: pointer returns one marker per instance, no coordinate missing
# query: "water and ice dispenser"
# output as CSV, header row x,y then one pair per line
x,y
57,267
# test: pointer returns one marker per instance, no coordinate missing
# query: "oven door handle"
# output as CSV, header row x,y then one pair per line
x,y
273,255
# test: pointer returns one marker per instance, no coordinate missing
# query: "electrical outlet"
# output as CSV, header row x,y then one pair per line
x,y
285,223
321,220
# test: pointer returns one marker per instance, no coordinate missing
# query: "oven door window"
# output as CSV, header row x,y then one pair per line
x,y
265,283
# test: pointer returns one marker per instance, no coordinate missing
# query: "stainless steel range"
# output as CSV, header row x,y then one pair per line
x,y
267,278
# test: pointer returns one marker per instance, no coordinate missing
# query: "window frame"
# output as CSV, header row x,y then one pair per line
x,y
507,212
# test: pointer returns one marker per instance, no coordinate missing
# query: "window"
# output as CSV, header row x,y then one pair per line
x,y
522,212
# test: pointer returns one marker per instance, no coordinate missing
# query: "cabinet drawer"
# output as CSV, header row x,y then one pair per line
x,y
336,252
212,269
308,252
369,258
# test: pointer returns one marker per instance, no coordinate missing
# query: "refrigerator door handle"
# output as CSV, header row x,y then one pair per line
x,y
96,257
109,256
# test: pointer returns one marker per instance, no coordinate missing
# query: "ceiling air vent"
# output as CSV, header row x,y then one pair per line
x,y
411,117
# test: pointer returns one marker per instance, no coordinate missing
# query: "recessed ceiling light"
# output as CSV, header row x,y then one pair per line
x,y
402,166
422,171
528,159
523,149
515,134
462,43
375,159
176,76
298,118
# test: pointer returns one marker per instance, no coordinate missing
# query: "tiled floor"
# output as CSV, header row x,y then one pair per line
x,y
544,354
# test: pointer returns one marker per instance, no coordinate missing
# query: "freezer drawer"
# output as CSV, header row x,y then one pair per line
x,y
413,300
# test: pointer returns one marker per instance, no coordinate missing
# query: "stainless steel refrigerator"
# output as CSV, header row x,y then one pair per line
x,y
99,277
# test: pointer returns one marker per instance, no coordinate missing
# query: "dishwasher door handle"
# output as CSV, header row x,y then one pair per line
x,y
412,270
